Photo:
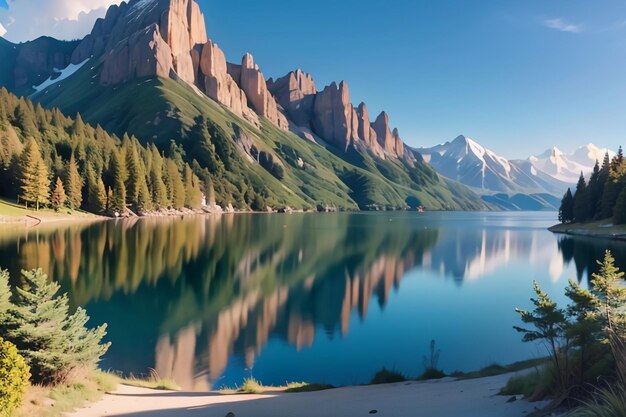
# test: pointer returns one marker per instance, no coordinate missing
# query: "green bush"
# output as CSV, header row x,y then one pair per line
x,y
14,376
54,342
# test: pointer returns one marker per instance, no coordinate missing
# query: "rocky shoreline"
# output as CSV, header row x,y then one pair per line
x,y
607,231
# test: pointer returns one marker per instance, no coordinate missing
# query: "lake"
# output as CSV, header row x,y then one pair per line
x,y
324,298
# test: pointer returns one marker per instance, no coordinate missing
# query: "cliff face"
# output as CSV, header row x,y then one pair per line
x,y
168,39
331,115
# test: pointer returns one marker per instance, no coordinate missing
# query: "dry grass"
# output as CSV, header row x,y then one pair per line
x,y
151,381
43,401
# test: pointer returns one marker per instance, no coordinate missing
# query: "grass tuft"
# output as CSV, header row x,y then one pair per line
x,y
432,373
306,387
608,402
251,386
152,381
385,376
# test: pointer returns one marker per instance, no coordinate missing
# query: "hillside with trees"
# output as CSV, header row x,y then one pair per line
x,y
47,159
603,197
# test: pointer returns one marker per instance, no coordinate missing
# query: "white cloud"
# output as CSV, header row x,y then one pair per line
x,y
2,30
24,20
562,25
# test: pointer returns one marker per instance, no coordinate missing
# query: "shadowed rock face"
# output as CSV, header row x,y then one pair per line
x,y
143,54
295,92
260,99
218,83
332,115
179,23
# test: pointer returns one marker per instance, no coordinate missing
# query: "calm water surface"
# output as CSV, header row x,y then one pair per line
x,y
328,298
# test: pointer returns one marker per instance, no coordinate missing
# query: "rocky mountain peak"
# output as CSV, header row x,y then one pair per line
x,y
295,93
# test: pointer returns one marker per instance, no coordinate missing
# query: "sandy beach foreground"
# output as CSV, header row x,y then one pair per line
x,y
443,398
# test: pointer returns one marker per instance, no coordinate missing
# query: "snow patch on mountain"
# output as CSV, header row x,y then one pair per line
x,y
60,76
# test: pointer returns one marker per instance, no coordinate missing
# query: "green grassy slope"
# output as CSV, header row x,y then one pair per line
x,y
159,110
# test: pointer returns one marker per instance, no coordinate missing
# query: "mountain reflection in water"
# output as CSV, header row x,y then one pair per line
x,y
202,299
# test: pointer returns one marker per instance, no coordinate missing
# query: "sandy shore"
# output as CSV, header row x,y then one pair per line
x,y
444,398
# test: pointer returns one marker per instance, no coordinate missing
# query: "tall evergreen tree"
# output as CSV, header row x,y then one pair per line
x,y
566,211
581,201
58,197
157,186
73,184
603,176
594,192
117,201
193,194
619,211
134,178
34,176
175,185
96,193
613,185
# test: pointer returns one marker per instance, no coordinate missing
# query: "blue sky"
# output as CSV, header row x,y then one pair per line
x,y
517,76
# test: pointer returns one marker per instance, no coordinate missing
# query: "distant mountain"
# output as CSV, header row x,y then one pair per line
x,y
149,68
567,167
469,163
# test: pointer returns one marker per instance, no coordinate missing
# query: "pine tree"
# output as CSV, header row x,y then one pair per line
x,y
594,192
209,190
58,197
73,184
144,200
5,298
25,119
566,211
619,211
158,190
175,186
34,175
581,201
96,193
548,321
613,185
193,194
134,177
608,286
603,176
53,341
117,202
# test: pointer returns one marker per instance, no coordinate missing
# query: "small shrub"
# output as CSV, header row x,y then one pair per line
x,y
14,376
431,370
385,376
432,374
251,386
536,385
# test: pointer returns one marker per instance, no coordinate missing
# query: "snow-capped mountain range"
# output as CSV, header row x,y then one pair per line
x,y
567,167
551,172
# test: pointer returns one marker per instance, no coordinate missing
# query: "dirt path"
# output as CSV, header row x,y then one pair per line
x,y
445,398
